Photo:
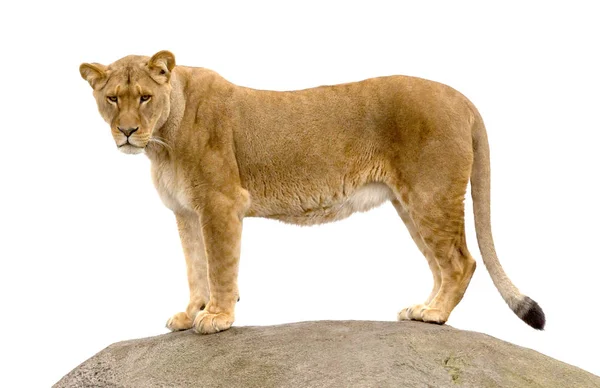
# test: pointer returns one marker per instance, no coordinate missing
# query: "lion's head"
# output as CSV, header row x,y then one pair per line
x,y
133,96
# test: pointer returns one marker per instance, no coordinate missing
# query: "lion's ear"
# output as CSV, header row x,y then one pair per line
x,y
94,73
161,64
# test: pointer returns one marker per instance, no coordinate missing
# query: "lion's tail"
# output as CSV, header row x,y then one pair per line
x,y
525,308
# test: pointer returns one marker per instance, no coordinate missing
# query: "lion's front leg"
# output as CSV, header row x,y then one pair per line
x,y
221,218
192,242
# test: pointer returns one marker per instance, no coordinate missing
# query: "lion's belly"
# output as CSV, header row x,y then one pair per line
x,y
363,199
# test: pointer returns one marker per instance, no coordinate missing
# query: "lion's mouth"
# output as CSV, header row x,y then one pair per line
x,y
130,148
128,143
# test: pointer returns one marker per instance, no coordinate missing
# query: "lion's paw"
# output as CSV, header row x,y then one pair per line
x,y
180,321
412,313
424,313
208,323
434,316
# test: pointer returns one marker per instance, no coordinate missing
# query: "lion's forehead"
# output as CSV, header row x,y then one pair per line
x,y
129,75
129,80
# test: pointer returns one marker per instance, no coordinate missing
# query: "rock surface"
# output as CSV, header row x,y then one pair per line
x,y
325,354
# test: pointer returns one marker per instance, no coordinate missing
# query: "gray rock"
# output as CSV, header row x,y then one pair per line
x,y
325,354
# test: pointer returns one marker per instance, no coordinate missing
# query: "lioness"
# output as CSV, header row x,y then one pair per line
x,y
221,152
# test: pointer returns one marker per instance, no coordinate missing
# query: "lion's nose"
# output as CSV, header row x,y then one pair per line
x,y
127,131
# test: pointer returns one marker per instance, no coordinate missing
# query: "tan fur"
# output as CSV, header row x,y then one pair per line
x,y
222,152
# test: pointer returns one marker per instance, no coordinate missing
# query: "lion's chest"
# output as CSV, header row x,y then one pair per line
x,y
171,188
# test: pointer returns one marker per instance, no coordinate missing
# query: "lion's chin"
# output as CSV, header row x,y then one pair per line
x,y
130,149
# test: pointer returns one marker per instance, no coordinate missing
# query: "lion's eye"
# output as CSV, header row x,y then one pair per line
x,y
145,97
112,98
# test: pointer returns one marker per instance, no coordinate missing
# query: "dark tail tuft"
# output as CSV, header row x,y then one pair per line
x,y
531,313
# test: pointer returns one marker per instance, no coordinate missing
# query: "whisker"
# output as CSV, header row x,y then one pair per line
x,y
161,142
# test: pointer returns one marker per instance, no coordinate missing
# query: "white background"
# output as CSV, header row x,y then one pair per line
x,y
89,255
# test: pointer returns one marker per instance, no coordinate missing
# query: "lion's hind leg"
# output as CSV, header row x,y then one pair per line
x,y
406,313
435,220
